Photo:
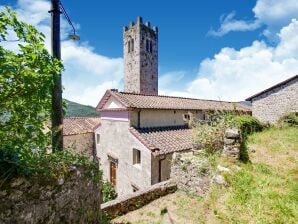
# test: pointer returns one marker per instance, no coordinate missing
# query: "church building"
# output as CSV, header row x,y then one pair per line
x,y
140,130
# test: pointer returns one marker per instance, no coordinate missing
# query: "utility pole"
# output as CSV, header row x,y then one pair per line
x,y
57,116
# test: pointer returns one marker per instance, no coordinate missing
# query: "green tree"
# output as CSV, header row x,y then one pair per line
x,y
26,78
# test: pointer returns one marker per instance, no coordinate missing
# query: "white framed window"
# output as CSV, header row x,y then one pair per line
x,y
136,158
97,139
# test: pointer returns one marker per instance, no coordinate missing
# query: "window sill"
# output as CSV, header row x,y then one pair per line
x,y
138,166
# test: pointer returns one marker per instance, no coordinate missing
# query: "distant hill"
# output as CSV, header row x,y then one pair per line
x,y
79,110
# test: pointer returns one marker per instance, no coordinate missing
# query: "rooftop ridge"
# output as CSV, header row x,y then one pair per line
x,y
166,96
163,128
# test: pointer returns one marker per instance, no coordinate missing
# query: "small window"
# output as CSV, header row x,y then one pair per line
x,y
186,117
136,156
97,138
132,45
151,47
128,46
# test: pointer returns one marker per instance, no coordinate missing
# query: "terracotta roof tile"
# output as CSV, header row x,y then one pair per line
x,y
80,125
132,100
164,140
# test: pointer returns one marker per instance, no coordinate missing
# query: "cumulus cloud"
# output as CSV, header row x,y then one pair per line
x,y
87,74
273,14
236,74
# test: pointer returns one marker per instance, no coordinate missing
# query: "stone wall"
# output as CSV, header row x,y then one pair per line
x,y
191,173
140,63
125,204
232,142
75,199
82,144
274,104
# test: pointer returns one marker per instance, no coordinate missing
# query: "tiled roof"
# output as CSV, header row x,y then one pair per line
x,y
273,87
80,125
164,140
132,100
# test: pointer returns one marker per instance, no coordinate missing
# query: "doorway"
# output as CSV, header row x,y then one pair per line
x,y
113,173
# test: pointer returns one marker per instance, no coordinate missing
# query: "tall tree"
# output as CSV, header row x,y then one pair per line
x,y
26,80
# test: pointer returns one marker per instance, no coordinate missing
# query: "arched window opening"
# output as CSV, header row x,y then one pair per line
x,y
128,46
151,46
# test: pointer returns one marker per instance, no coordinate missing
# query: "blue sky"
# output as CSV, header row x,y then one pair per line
x,y
207,49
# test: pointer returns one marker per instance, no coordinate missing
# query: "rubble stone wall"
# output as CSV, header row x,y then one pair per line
x,y
74,199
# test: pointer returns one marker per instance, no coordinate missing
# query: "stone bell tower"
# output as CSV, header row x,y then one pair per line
x,y
140,43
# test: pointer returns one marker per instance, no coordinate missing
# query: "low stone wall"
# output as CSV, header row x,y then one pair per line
x,y
191,173
130,202
75,199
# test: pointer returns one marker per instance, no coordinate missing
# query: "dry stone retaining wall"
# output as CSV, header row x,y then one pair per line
x,y
130,202
191,173
75,199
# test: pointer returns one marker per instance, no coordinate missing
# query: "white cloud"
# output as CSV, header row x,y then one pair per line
x,y
228,24
274,14
87,74
236,74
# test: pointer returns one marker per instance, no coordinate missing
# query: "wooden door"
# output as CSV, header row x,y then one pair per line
x,y
113,173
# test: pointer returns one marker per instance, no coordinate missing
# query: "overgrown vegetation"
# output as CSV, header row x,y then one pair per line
x,y
50,166
262,191
25,86
108,191
290,119
26,79
209,136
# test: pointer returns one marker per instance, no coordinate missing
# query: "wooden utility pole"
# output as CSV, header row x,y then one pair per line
x,y
57,116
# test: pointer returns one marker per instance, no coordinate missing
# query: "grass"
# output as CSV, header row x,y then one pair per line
x,y
264,190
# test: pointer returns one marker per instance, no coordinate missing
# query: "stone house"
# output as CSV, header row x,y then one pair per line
x,y
141,130
78,134
271,104
139,133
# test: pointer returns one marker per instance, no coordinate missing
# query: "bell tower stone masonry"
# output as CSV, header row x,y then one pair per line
x,y
140,45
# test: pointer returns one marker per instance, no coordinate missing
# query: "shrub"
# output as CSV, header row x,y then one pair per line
x,y
248,124
108,191
290,119
209,135
53,165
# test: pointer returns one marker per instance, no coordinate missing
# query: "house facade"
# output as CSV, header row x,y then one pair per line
x,y
277,101
140,130
78,135
139,134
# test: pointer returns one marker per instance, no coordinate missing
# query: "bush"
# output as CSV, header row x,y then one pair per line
x,y
108,191
53,165
248,124
209,135
290,119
